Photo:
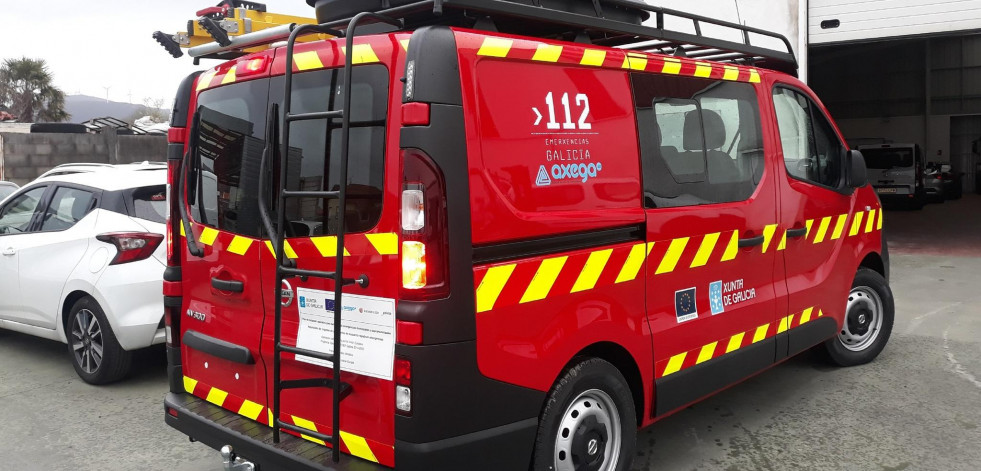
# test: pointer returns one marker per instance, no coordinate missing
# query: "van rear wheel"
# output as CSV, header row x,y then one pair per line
x,y
589,422
869,316
96,354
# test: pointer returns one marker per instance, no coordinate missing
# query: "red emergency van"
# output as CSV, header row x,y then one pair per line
x,y
501,234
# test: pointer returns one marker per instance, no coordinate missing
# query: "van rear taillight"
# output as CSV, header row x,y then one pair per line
x,y
403,386
131,246
423,223
173,167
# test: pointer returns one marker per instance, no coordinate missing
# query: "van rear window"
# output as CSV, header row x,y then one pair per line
x,y
224,191
888,158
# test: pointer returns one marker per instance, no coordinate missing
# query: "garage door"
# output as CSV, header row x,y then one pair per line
x,y
832,21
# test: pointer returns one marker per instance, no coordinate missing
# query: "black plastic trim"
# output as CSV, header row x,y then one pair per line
x,y
217,347
478,450
751,242
175,370
231,286
810,334
182,103
451,319
556,244
452,399
173,301
691,384
175,152
172,273
432,56
795,233
885,255
217,427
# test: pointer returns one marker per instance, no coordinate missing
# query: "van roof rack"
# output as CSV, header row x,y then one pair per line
x,y
601,22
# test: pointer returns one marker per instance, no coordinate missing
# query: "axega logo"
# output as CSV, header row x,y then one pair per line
x,y
582,172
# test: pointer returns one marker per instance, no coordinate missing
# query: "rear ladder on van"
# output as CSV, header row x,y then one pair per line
x,y
286,267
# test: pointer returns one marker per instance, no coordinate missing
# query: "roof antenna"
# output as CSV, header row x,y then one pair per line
x,y
738,15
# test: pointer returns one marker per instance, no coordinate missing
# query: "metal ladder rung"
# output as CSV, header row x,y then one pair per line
x,y
303,431
311,194
305,352
336,114
344,390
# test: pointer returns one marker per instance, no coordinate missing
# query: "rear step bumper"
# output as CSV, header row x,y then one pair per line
x,y
217,427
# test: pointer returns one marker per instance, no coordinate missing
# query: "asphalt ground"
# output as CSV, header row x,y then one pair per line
x,y
917,407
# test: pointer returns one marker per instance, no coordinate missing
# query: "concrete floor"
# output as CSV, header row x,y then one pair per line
x,y
917,407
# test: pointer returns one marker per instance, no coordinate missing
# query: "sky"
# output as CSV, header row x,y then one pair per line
x,y
90,46
107,43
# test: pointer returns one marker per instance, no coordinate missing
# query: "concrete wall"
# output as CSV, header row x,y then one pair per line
x,y
23,157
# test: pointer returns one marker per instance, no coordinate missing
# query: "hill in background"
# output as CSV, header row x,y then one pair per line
x,y
83,108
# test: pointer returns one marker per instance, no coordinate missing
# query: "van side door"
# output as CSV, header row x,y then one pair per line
x,y
711,214
820,219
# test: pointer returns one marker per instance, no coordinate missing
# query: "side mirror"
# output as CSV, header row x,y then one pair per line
x,y
856,174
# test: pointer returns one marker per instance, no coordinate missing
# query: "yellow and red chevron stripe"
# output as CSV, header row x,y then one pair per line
x,y
532,280
831,228
520,49
351,444
366,244
535,279
313,59
724,346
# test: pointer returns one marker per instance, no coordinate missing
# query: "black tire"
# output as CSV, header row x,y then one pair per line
x,y
114,362
868,289
579,385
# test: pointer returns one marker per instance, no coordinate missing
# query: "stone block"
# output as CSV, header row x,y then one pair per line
x,y
14,160
43,149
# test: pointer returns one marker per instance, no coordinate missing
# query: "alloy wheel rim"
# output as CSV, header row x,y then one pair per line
x,y
863,319
86,341
588,437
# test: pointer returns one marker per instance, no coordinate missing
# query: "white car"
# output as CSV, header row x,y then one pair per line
x,y
81,262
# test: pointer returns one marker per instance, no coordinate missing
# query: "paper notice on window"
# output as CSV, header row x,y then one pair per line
x,y
367,331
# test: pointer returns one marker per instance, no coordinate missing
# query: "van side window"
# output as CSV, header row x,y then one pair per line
x,y
701,140
811,150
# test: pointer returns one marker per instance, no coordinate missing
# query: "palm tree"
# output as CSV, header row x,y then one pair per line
x,y
26,88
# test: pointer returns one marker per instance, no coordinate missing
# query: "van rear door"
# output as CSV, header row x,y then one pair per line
x,y
223,293
371,247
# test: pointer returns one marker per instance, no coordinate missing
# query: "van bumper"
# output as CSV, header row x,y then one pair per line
x,y
217,427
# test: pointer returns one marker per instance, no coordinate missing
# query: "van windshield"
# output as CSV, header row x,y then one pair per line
x,y
223,191
888,158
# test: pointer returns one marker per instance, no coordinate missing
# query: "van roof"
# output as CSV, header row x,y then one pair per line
x,y
629,25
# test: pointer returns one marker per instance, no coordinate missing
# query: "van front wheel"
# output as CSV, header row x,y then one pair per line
x,y
869,315
589,422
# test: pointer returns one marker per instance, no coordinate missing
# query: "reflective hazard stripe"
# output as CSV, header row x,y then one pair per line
x,y
680,361
351,443
382,243
539,51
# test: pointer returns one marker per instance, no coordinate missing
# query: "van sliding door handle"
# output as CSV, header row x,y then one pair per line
x,y
227,285
751,242
799,232
9,251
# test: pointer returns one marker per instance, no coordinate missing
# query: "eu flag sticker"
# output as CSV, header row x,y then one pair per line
x,y
684,305
303,301
715,298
